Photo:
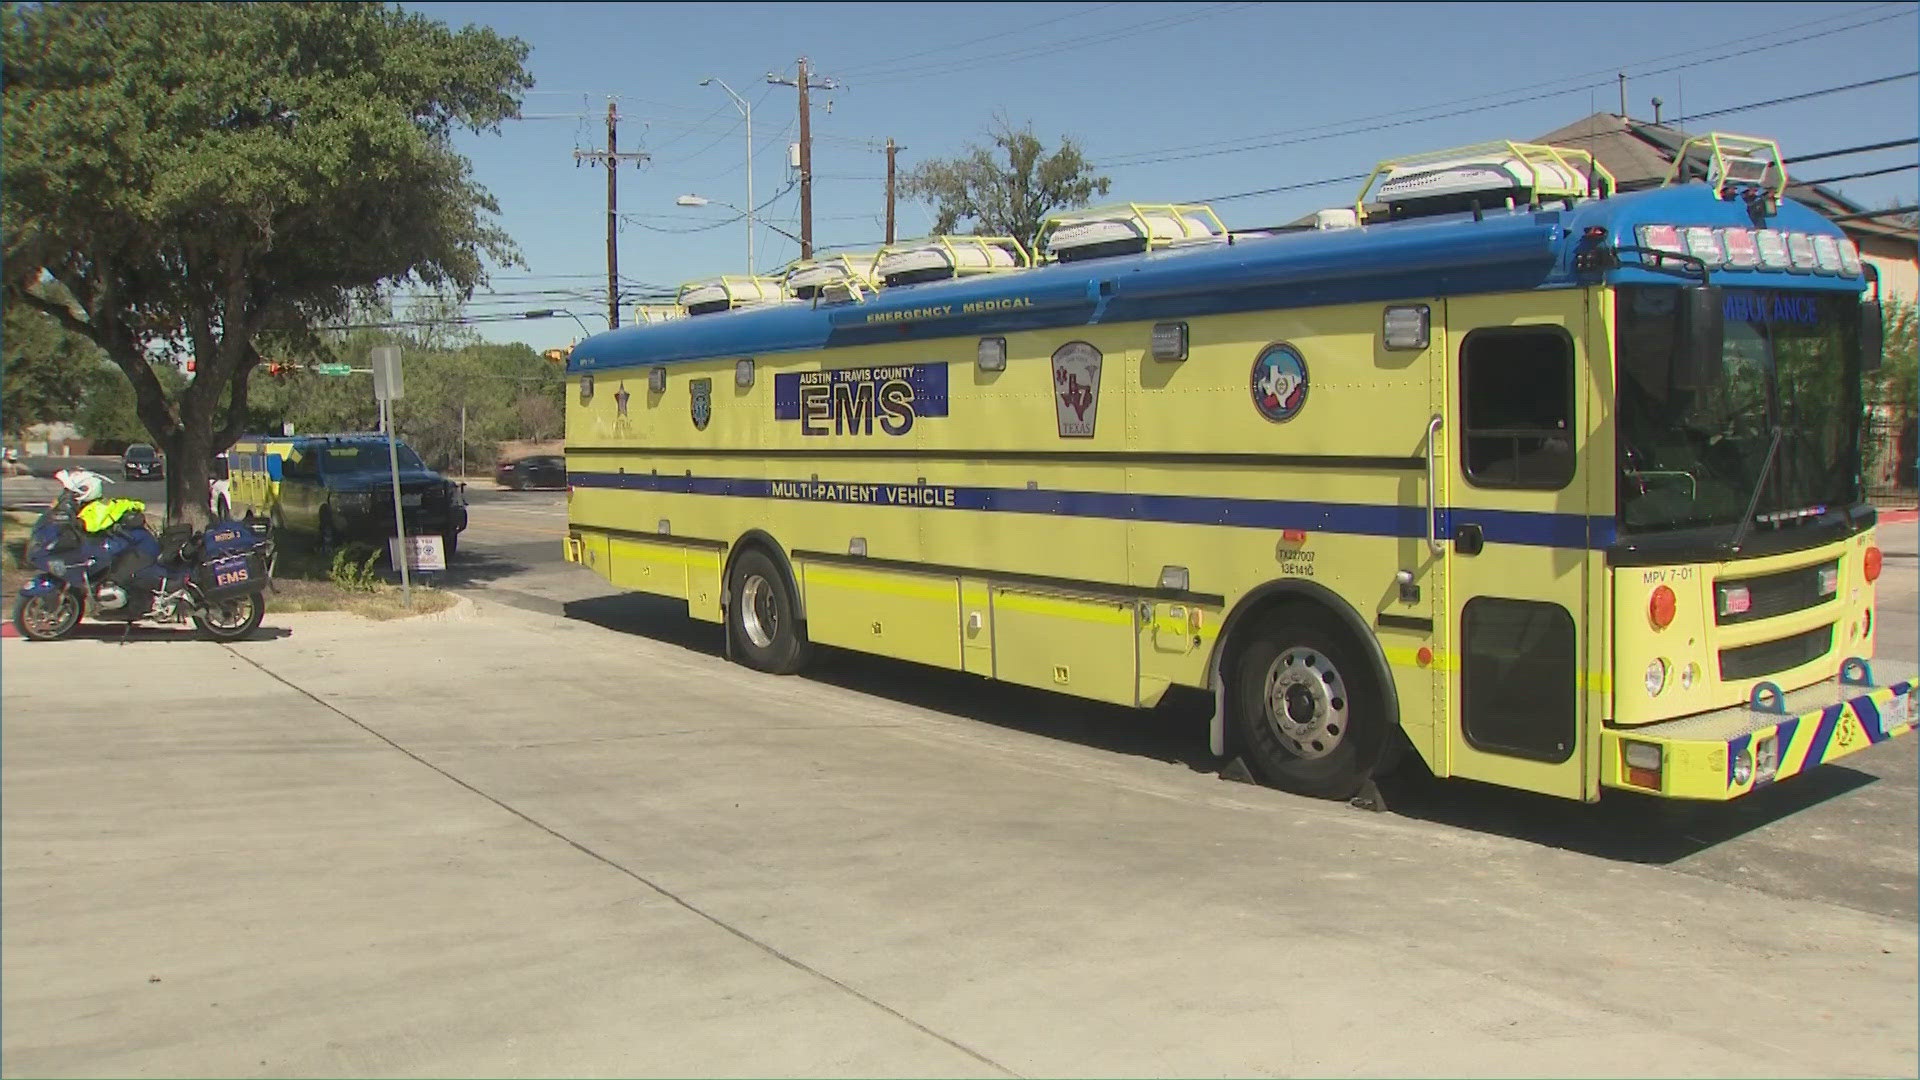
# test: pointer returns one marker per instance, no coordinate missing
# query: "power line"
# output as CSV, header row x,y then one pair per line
x,y
888,65
1888,145
1242,145
1802,97
1165,22
1862,175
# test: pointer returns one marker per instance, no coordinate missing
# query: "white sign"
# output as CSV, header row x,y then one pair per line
x,y
423,552
386,373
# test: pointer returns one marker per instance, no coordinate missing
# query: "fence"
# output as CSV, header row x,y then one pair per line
x,y
1888,448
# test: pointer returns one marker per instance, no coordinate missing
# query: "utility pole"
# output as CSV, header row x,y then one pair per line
x,y
1623,95
611,157
806,151
891,150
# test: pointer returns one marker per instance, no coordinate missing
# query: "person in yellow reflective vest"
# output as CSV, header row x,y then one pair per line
x,y
100,515
95,514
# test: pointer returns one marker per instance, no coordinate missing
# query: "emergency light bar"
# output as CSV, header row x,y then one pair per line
x,y
1754,249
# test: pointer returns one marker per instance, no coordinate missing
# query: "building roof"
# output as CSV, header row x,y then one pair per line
x,y
1640,154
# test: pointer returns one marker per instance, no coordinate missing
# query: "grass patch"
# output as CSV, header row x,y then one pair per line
x,y
352,580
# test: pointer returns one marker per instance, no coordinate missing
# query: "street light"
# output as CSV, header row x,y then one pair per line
x,y
702,200
548,313
746,110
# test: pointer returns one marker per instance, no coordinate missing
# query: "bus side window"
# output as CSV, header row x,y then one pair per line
x,y
1517,396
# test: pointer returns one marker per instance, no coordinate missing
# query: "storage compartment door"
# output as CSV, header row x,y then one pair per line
x,y
1077,645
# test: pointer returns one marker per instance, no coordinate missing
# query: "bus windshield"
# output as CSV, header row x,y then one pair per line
x,y
1693,458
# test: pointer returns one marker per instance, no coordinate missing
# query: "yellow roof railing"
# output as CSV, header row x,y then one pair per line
x,y
1732,159
1550,172
848,275
1161,225
647,314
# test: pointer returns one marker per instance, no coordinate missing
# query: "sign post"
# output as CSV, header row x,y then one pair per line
x,y
386,389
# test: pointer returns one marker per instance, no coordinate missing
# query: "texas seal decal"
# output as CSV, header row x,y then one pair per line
x,y
1279,383
702,402
1076,389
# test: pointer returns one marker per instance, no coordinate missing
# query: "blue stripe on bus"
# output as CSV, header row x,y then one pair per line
x,y
1576,531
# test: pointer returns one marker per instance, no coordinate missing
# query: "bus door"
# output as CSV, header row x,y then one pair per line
x,y
1511,525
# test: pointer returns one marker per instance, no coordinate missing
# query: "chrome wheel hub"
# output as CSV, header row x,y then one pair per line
x,y
1306,703
759,616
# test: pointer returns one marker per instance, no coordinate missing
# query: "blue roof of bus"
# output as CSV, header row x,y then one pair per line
x,y
1452,255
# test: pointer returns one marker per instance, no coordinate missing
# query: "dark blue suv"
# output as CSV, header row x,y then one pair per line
x,y
339,488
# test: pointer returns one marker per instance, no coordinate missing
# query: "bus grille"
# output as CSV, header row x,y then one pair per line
x,y
1767,657
1773,594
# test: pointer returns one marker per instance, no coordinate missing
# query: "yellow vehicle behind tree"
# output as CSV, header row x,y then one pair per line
x,y
1553,486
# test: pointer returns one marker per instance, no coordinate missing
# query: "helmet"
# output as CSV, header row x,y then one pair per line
x,y
86,486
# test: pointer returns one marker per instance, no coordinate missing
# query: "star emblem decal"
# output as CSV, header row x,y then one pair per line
x,y
620,400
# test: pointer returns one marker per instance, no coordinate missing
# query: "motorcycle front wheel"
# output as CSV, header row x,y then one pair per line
x,y
47,616
233,618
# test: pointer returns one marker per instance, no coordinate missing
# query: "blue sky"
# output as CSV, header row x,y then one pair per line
x,y
1174,102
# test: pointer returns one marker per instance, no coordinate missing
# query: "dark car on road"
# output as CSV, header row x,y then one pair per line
x,y
535,471
339,488
142,462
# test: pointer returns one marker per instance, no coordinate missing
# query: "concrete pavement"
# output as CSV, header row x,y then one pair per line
x,y
513,844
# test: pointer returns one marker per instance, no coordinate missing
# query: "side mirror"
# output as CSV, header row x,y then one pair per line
x,y
1701,325
1873,336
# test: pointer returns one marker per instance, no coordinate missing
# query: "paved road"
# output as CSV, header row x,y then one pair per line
x,y
1846,834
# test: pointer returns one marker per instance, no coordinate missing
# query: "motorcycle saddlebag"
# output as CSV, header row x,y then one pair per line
x,y
232,575
228,538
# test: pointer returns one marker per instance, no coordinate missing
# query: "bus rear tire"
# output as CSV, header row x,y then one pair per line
x,y
1307,705
762,616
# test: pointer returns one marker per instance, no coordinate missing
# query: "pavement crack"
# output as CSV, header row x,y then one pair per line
x,y
666,893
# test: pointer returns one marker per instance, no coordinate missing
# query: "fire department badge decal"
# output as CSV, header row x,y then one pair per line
x,y
1279,382
1076,389
702,403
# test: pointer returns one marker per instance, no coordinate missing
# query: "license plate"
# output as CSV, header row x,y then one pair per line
x,y
410,500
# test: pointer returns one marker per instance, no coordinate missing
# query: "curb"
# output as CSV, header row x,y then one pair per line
x,y
1899,517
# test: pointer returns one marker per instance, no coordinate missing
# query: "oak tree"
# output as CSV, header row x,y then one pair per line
x,y
202,180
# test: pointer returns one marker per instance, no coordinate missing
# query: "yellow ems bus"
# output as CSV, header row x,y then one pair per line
x,y
1555,486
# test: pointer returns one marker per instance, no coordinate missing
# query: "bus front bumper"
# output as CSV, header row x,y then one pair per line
x,y
1730,752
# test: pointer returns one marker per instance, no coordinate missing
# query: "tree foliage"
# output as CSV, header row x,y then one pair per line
x,y
202,178
44,369
1005,189
1897,384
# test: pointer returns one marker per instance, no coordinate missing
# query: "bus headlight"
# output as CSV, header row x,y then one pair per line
x,y
1656,677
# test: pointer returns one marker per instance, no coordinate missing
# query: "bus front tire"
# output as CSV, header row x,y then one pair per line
x,y
762,616
1307,705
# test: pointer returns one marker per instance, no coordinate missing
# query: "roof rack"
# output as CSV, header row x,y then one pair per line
x,y
648,314
729,291
833,278
1127,229
937,258
1538,171
1724,159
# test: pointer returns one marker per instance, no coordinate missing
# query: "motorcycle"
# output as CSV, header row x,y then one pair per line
x,y
217,577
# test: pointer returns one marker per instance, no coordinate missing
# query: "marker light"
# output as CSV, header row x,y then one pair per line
x,y
1702,244
1826,254
1800,249
1742,252
1766,759
1643,762
1662,608
1169,341
991,354
1656,677
1829,580
1850,258
1871,564
1661,238
1735,600
1405,327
